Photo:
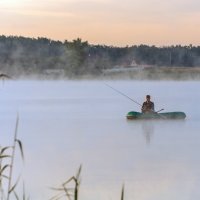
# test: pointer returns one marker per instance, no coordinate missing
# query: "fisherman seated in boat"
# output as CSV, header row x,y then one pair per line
x,y
148,105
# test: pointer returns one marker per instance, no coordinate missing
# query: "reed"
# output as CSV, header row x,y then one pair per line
x,y
122,193
7,161
65,192
7,158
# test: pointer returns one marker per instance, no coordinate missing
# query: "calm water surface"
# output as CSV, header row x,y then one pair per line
x,y
67,123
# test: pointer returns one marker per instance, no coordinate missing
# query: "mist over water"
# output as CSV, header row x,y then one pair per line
x,y
67,123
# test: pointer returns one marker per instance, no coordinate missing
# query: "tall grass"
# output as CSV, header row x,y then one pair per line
x,y
7,160
66,192
122,193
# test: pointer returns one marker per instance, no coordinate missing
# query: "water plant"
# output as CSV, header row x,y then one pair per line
x,y
65,192
122,192
7,159
69,189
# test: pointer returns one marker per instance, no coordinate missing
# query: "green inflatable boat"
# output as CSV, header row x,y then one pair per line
x,y
166,115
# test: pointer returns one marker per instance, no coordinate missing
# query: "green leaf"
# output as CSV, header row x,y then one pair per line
x,y
4,156
16,196
14,186
3,169
57,189
4,149
16,126
57,197
21,148
78,173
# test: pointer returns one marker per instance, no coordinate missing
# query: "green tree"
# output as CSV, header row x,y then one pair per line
x,y
78,53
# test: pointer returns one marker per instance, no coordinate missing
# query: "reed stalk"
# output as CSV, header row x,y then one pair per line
x,y
11,187
65,191
122,193
12,159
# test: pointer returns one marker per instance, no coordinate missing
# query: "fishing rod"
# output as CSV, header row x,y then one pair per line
x,y
123,94
129,97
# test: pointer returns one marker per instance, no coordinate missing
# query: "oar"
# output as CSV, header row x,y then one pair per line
x,y
160,110
157,112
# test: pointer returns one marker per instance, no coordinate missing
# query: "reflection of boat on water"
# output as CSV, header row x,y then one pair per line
x,y
146,128
166,115
149,128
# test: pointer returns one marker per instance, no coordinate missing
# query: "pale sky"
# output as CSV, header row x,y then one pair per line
x,y
110,22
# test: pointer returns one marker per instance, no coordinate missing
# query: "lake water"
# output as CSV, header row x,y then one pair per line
x,y
63,124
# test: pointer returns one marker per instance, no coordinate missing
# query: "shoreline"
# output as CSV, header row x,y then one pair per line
x,y
138,74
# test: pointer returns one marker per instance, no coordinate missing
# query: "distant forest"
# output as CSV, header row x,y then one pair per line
x,y
20,56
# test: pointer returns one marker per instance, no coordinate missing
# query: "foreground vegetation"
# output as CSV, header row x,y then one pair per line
x,y
68,190
15,189
7,184
20,56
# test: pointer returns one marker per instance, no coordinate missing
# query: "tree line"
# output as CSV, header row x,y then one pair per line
x,y
29,56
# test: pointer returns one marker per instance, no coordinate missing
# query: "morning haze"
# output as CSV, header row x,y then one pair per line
x,y
73,78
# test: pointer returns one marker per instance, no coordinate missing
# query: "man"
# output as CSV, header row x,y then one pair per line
x,y
148,105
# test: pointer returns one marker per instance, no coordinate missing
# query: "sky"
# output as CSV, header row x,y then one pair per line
x,y
109,22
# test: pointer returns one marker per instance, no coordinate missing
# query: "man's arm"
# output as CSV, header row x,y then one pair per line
x,y
143,107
